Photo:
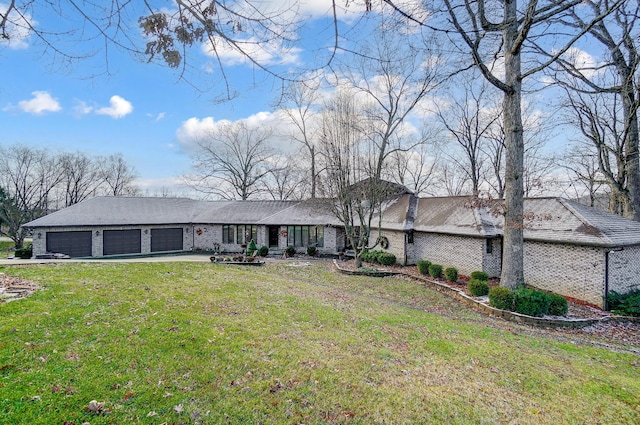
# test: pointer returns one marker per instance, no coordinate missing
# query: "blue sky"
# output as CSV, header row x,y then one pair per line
x,y
142,110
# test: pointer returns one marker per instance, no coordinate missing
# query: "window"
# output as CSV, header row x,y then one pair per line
x,y
304,236
489,246
245,233
227,233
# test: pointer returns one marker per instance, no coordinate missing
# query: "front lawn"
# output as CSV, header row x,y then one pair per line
x,y
196,343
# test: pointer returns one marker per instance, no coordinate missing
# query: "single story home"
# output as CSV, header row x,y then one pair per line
x,y
569,248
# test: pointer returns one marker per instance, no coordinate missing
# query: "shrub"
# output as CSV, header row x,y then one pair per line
x,y
367,257
290,251
24,252
386,258
423,266
263,251
530,302
480,276
626,304
501,297
477,287
451,274
558,305
252,248
311,250
435,270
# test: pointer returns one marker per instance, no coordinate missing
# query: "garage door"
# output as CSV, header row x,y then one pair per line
x,y
74,244
166,239
121,242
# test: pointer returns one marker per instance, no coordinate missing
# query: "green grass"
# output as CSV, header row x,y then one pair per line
x,y
7,246
199,343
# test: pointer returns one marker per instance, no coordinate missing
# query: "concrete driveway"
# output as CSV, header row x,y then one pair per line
x,y
150,259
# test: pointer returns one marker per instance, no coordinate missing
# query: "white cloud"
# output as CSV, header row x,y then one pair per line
x,y
42,102
195,129
17,28
119,108
266,54
81,108
585,62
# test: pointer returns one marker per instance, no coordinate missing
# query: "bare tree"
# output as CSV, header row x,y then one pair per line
x,y
415,169
489,32
393,77
286,180
599,118
349,184
585,178
118,176
28,177
302,97
468,120
618,34
81,177
232,161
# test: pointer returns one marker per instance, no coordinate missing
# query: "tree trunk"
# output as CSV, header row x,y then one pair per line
x,y
631,150
513,256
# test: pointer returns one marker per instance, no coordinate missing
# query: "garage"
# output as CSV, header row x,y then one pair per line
x,y
166,239
116,242
73,244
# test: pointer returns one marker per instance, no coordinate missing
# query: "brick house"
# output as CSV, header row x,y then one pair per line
x,y
569,248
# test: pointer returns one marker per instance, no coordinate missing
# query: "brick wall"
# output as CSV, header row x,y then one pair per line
x,y
396,244
492,261
624,270
573,271
463,253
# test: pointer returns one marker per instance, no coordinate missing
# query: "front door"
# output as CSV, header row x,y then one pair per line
x,y
274,234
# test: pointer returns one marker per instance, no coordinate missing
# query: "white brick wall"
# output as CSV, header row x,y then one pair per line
x,y
573,271
624,270
463,253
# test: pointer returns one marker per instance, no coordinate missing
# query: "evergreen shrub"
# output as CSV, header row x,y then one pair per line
x,y
531,302
263,251
501,297
477,287
423,266
435,270
558,305
451,274
478,275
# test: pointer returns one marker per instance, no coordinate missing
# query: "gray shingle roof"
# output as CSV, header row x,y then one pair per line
x,y
105,210
453,215
546,219
562,220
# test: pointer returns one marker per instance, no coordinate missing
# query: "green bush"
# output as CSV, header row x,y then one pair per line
x,y
290,251
368,257
435,270
626,304
531,302
480,276
501,297
558,305
451,274
423,266
263,251
477,287
312,250
252,248
386,258
24,252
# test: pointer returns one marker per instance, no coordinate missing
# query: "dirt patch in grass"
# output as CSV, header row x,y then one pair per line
x,y
13,288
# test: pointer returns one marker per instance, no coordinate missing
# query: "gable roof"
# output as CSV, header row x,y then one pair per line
x,y
562,220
